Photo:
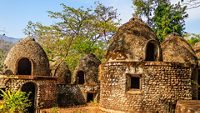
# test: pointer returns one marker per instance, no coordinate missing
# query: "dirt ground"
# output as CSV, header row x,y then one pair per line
x,y
90,108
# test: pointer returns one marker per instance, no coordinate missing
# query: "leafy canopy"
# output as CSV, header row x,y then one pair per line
x,y
162,16
77,31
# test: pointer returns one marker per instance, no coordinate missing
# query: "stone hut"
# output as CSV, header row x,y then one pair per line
x,y
29,54
86,76
63,73
176,49
135,79
27,69
134,41
60,69
85,84
87,70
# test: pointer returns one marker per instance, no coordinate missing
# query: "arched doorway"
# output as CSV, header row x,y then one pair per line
x,y
30,88
151,52
80,77
24,67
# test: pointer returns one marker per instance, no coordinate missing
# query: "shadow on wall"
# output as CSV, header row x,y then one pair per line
x,y
70,95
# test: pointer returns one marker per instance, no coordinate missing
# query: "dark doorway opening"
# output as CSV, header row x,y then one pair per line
x,y
151,52
90,97
24,67
80,77
135,83
30,88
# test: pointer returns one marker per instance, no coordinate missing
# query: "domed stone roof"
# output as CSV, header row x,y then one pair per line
x,y
60,69
176,49
87,70
131,40
27,57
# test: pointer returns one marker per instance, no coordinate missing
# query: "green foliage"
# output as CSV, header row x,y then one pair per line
x,y
162,16
14,101
77,31
169,18
144,8
193,38
54,110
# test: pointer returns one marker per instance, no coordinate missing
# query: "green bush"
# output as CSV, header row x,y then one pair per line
x,y
14,101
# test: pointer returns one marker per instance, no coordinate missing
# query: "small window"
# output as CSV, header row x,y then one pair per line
x,y
135,83
90,97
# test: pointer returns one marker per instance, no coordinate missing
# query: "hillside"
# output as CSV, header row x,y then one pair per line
x,y
5,44
8,39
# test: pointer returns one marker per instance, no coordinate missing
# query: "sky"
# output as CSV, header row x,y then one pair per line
x,y
15,14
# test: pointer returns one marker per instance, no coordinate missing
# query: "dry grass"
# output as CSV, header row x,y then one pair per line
x,y
89,108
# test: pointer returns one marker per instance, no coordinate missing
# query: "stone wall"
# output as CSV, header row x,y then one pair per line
x,y
69,95
45,88
161,85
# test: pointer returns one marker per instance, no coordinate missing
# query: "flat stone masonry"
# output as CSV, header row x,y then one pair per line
x,y
45,88
162,84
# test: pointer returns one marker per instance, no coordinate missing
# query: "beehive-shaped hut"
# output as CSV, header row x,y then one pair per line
x,y
27,57
60,69
176,49
62,72
134,41
134,79
87,70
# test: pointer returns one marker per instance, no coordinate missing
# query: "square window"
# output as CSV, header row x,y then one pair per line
x,y
135,83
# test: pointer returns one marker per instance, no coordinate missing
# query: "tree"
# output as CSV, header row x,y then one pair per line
x,y
169,18
14,101
162,16
192,38
77,32
144,8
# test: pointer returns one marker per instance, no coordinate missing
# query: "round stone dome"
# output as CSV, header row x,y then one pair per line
x,y
27,57
60,69
135,41
87,70
176,49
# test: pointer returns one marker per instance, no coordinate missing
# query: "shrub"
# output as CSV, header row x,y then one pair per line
x,y
14,101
